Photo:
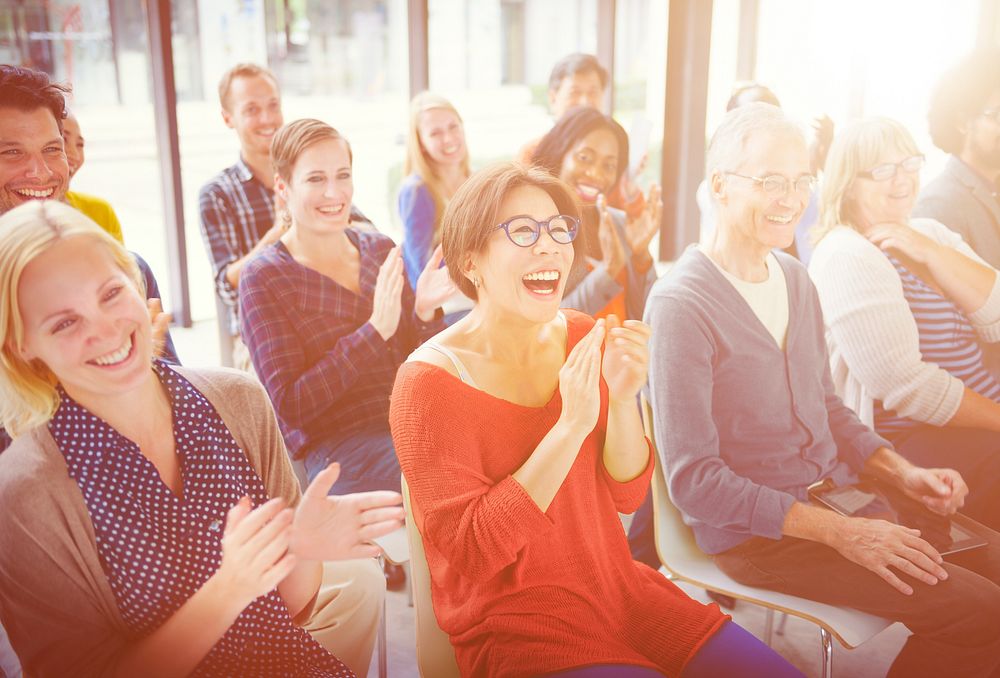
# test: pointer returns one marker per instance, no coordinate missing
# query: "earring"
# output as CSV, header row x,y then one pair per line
x,y
476,282
286,217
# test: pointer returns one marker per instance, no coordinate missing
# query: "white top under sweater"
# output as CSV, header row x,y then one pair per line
x,y
871,334
767,299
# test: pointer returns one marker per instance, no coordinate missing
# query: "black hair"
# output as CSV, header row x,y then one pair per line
x,y
577,63
26,90
961,94
577,123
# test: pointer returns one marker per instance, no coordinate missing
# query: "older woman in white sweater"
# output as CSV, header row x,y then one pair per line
x,y
909,308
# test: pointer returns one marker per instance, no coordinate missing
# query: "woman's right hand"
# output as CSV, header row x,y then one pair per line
x,y
612,252
579,382
905,240
387,302
255,556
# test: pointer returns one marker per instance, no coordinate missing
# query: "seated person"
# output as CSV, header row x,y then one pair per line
x,y
580,80
907,304
437,162
964,121
520,447
98,209
150,515
589,151
328,315
747,419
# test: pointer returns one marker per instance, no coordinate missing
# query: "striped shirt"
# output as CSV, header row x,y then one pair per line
x,y
327,370
947,339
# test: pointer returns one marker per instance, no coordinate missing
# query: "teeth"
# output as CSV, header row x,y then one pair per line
x,y
587,191
27,192
543,275
117,356
450,149
331,210
779,220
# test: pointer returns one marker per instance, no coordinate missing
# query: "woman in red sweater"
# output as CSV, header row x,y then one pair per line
x,y
519,436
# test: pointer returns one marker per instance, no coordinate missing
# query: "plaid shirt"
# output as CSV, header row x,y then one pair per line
x,y
236,212
328,371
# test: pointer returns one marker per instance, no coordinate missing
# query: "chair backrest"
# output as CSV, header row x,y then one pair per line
x,y
679,553
435,655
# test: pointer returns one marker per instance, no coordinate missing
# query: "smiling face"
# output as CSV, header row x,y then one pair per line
x,y
73,141
524,282
85,320
254,110
890,200
33,163
591,166
442,136
321,187
765,219
579,89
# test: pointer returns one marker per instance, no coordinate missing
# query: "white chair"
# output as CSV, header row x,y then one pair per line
x,y
435,655
680,555
396,551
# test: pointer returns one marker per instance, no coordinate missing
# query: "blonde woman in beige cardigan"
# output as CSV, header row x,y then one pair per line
x,y
150,523
909,308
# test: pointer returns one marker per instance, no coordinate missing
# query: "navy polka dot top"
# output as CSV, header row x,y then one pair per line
x,y
157,549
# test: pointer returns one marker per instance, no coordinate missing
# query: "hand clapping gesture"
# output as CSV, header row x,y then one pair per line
x,y
579,381
387,302
626,357
640,230
331,527
255,555
612,251
433,286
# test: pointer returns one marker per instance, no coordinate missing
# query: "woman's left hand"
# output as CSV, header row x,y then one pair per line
x,y
941,490
433,286
341,527
640,230
626,357
905,240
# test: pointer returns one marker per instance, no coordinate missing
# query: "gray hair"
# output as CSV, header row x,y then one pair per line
x,y
726,149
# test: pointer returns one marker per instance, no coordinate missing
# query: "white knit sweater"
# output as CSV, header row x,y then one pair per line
x,y
871,334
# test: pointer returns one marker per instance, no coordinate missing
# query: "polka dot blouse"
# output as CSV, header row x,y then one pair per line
x,y
157,549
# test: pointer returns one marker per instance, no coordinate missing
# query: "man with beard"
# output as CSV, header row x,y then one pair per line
x,y
964,121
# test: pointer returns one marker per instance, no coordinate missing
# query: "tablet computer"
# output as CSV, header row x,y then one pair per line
x,y
869,499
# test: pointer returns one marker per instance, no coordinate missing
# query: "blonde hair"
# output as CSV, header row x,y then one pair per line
x,y
857,148
242,70
472,215
417,162
28,395
292,139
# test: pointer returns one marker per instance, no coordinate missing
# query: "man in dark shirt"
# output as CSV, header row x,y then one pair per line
x,y
240,213
964,120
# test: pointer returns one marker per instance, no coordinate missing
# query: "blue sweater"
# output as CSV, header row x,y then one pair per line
x,y
416,211
744,428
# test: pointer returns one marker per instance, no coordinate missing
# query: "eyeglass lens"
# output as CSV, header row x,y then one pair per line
x,y
525,231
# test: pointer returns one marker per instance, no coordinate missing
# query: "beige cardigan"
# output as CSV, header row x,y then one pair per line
x,y
55,600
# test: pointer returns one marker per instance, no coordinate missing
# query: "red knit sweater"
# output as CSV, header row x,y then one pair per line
x,y
522,592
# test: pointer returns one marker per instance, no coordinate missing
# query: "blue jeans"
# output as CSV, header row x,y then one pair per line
x,y
367,462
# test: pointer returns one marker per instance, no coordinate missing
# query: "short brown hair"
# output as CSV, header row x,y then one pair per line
x,y
28,90
242,70
473,213
297,136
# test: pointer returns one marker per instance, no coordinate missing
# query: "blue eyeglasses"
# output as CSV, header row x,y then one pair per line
x,y
524,231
